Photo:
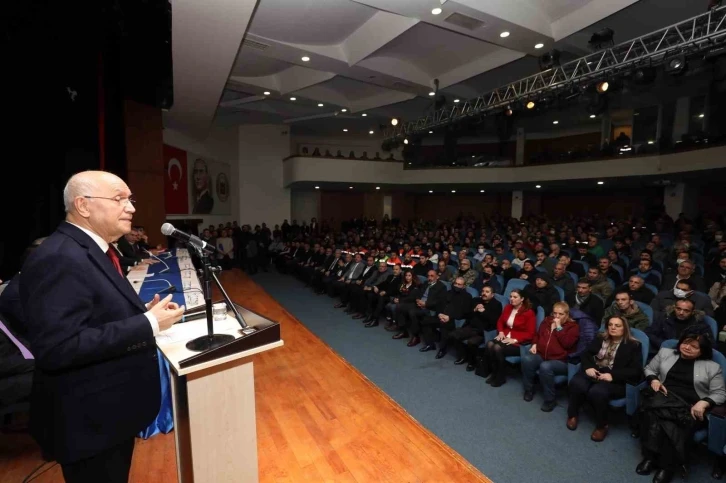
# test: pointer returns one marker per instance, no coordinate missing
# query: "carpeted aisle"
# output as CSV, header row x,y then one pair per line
x,y
506,438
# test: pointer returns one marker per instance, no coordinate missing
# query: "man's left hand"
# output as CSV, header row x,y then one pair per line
x,y
156,299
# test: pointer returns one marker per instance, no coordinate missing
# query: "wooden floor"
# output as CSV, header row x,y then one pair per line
x,y
318,420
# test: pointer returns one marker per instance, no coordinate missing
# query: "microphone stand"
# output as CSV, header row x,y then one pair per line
x,y
211,340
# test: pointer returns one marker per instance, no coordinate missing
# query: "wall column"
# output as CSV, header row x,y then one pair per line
x,y
521,141
681,120
517,204
262,195
681,198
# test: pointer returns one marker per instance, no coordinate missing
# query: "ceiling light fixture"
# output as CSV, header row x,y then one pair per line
x,y
504,35
345,130
700,116
344,110
305,58
430,191
317,187
267,93
592,116
432,93
538,186
370,132
378,187
651,142
538,46
394,122
364,115
405,141
453,191
481,191
436,11
431,132
320,105
456,100
555,122
530,105
601,182
293,98
350,187
603,86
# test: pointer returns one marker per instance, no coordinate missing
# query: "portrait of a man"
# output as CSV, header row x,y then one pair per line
x,y
204,202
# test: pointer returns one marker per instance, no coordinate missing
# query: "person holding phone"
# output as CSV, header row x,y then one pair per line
x,y
613,359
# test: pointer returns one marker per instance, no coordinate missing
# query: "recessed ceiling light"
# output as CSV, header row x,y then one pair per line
x,y
436,11
700,115
530,105
538,186
345,130
430,191
473,156
432,93
370,132
504,35
350,187
453,191
378,187
410,164
592,116
431,132
394,121
364,115
651,142
320,105
555,122
293,98
456,100
601,182
267,93
305,58
344,110
405,141
538,46
317,187
481,191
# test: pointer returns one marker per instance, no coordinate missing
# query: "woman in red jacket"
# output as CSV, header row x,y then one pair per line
x,y
515,326
556,338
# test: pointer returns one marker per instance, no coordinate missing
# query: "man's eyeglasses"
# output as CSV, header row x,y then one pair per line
x,y
118,199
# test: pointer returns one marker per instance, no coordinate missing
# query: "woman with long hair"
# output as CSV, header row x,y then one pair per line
x,y
613,359
405,291
516,326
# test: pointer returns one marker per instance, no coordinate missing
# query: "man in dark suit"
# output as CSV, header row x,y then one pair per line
x,y
432,301
96,382
588,302
204,202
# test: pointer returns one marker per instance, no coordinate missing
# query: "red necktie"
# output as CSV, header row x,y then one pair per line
x,y
114,259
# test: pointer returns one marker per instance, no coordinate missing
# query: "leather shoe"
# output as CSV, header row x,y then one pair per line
x,y
528,396
572,423
548,406
391,327
645,467
470,367
599,434
414,341
372,323
490,379
459,362
662,476
427,347
440,354
359,316
399,335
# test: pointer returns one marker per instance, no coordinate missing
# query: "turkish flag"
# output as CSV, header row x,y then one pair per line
x,y
176,188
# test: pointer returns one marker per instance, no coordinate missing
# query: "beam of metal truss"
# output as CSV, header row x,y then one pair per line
x,y
697,34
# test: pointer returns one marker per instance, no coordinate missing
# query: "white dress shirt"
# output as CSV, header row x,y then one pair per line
x,y
103,245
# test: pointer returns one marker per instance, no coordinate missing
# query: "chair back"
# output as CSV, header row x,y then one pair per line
x,y
652,288
472,292
500,279
714,326
585,265
513,284
669,344
422,279
644,343
573,275
561,292
647,309
619,269
540,316
446,284
721,360
502,299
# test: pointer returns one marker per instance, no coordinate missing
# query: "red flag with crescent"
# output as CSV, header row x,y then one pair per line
x,y
176,191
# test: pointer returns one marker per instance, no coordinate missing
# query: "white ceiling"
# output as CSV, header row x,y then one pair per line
x,y
377,57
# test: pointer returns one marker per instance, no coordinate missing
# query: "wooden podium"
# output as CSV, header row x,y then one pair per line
x,y
214,398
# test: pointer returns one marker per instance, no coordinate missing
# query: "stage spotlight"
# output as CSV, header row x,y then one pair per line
x,y
677,65
549,60
508,111
405,141
394,122
602,38
530,105
602,87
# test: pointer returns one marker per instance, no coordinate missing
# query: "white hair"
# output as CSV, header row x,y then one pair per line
x,y
79,185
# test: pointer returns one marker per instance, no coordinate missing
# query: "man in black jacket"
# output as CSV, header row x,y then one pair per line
x,y
638,291
571,266
671,327
352,291
325,270
458,306
482,318
431,302
379,295
586,301
563,280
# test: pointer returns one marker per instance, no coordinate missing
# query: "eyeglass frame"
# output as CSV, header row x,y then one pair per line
x,y
118,199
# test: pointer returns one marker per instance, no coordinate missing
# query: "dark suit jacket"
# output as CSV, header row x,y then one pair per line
x,y
96,380
437,296
628,363
127,254
593,307
204,204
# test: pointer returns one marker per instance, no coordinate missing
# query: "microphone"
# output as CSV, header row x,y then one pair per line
x,y
169,230
170,289
157,258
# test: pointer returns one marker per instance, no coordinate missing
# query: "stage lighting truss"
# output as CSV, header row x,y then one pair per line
x,y
695,35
